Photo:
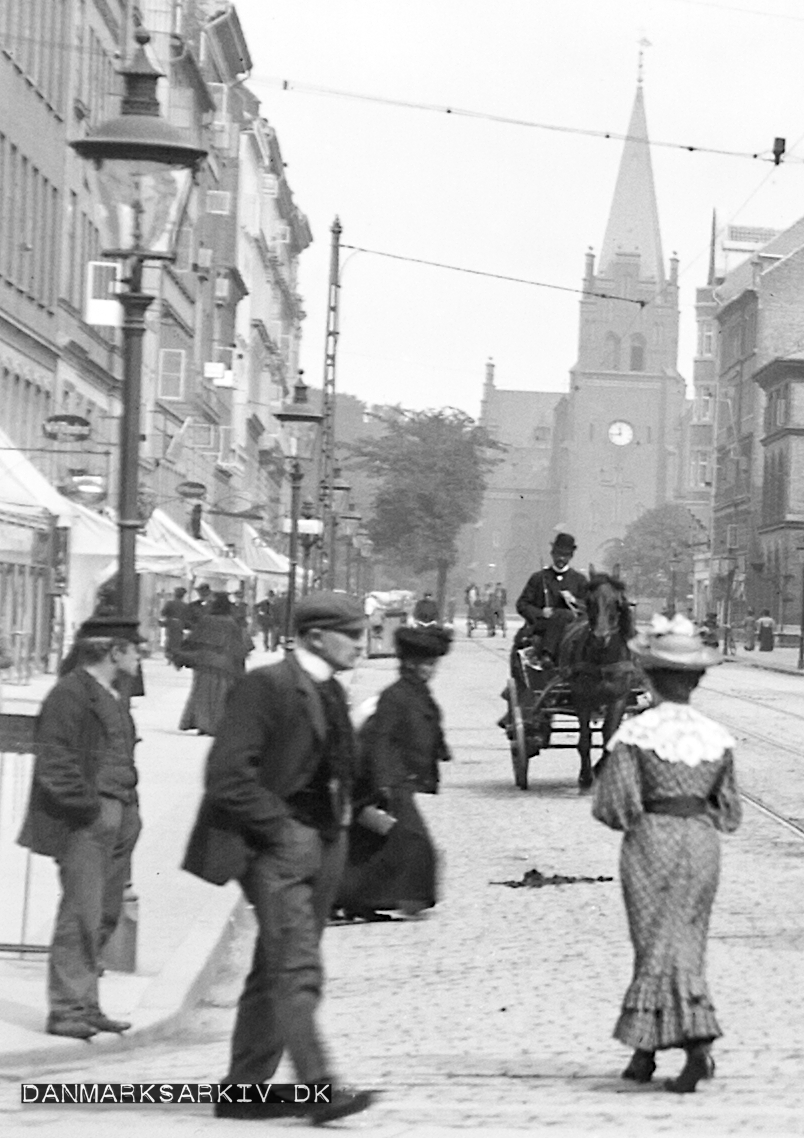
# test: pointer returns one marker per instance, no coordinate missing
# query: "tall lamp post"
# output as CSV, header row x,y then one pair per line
x,y
143,167
300,413
338,494
350,520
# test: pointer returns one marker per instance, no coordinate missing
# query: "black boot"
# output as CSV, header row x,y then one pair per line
x,y
641,1067
699,1065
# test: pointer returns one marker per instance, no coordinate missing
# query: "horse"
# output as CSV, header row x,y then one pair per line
x,y
595,660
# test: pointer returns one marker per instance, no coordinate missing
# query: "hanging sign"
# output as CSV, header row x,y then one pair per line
x,y
191,490
67,428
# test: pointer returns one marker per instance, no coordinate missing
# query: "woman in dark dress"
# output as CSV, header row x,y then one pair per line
x,y
216,653
401,747
175,618
668,783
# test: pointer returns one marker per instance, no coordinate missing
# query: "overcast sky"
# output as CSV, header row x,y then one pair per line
x,y
506,199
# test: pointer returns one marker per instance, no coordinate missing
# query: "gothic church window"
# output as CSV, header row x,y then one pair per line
x,y
611,353
637,355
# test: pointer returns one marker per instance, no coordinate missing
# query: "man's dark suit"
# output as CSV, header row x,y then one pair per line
x,y
544,590
268,748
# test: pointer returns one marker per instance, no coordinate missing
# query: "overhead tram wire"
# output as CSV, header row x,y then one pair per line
x,y
486,116
494,276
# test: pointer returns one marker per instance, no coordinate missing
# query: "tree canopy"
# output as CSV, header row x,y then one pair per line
x,y
430,470
659,541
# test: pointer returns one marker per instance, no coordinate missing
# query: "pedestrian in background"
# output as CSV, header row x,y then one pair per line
x,y
766,631
199,606
175,618
265,620
216,653
750,630
668,782
83,813
401,747
274,815
6,660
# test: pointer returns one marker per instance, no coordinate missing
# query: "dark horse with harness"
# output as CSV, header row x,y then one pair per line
x,y
595,678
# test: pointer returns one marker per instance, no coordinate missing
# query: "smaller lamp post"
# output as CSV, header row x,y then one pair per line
x,y
800,663
350,520
729,563
299,412
339,493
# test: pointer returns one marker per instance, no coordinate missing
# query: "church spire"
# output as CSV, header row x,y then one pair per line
x,y
633,225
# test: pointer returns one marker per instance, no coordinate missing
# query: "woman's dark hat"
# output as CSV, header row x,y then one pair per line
x,y
422,643
673,644
326,610
110,628
563,543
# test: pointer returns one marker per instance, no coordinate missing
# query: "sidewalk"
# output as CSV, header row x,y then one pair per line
x,y
184,923
779,660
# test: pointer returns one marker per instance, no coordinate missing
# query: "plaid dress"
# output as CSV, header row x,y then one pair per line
x,y
669,865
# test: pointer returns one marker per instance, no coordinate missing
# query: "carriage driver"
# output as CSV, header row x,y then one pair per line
x,y
553,597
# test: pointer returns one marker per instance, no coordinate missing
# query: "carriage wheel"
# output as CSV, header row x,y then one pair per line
x,y
519,750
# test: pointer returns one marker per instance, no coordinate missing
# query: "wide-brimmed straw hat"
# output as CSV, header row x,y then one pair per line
x,y
673,644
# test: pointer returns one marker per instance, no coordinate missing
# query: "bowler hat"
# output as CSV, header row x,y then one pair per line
x,y
422,643
110,628
564,543
326,610
673,644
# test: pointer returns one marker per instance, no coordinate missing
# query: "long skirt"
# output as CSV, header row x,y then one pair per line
x,y
669,868
206,701
381,871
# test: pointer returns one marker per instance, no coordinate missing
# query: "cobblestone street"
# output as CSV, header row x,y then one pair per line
x,y
495,1012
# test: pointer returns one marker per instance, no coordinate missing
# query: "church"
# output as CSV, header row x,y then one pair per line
x,y
616,444
617,435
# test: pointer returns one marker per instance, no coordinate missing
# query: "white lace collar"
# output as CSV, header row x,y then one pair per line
x,y
676,733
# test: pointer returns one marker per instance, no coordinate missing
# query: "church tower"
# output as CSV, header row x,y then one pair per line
x,y
623,412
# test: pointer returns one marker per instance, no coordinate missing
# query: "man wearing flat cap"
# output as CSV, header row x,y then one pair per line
x,y
83,813
553,597
274,815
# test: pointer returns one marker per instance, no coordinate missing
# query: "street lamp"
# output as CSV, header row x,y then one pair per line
x,y
674,564
143,169
310,529
338,494
299,412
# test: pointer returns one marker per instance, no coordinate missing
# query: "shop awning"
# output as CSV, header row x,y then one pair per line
x,y
265,562
164,530
24,490
223,563
96,536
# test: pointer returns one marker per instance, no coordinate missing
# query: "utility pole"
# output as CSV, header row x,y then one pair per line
x,y
326,470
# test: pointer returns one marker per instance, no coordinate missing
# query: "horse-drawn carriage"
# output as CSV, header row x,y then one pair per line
x,y
595,685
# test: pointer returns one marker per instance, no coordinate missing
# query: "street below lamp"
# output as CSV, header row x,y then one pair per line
x,y
305,419
142,169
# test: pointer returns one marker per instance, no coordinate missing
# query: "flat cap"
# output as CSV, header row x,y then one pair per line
x,y
422,643
111,628
326,610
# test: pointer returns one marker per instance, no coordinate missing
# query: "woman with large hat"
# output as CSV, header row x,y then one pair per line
x,y
668,782
392,859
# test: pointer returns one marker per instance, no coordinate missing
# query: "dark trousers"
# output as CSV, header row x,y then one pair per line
x,y
94,871
292,888
555,627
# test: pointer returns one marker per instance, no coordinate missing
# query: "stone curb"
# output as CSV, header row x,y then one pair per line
x,y
165,1000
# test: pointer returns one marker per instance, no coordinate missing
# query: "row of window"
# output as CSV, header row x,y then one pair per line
x,y
29,225
774,488
34,34
25,405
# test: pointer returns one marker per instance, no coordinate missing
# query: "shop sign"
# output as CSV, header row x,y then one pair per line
x,y
67,428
